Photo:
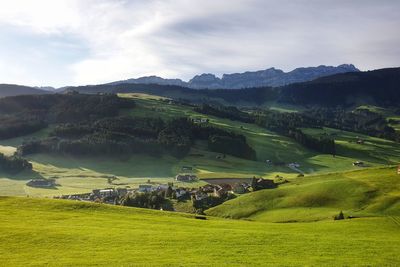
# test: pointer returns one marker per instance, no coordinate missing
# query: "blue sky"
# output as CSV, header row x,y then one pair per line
x,y
71,42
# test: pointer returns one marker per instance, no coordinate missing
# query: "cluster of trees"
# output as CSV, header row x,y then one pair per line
x,y
281,121
26,114
231,113
19,124
211,201
360,120
66,108
320,144
231,145
125,135
149,200
289,124
13,164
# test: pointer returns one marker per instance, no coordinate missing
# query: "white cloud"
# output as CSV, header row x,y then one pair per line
x,y
108,40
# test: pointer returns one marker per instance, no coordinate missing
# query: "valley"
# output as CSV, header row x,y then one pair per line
x,y
80,174
331,184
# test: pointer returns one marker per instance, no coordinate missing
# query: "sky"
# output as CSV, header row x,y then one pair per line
x,y
77,42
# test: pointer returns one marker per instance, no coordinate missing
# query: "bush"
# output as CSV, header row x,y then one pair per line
x,y
340,216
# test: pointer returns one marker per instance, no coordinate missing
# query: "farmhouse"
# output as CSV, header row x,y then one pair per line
x,y
200,120
222,189
122,191
207,188
162,187
41,183
144,188
180,192
102,193
294,165
186,177
199,195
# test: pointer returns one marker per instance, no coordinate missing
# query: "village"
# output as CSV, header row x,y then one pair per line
x,y
164,196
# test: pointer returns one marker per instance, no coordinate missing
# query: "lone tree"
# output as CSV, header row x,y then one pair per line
x,y
340,216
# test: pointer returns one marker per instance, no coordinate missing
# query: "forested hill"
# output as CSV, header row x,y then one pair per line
x,y
14,90
379,87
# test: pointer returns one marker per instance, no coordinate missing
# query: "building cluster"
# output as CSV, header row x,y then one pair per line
x,y
202,193
186,177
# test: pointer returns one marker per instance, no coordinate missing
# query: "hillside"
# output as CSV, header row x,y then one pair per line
x,y
379,87
372,192
70,233
14,90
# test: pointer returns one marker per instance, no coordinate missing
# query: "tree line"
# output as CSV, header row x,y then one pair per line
x,y
22,115
13,164
229,112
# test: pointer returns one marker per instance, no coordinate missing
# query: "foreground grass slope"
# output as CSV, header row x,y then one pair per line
x,y
65,233
370,192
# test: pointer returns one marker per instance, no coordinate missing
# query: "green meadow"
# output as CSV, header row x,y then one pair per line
x,y
363,193
37,232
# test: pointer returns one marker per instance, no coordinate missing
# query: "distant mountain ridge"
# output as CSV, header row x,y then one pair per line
x,y
14,90
270,77
379,87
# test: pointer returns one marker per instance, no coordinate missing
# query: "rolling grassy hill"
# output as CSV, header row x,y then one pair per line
x,y
81,174
370,192
37,232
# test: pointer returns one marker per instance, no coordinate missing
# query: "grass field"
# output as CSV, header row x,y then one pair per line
x,y
78,175
370,192
37,232
389,114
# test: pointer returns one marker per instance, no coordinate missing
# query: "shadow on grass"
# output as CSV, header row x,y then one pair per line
x,y
22,176
134,166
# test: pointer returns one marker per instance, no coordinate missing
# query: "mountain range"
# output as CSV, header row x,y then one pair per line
x,y
379,87
269,77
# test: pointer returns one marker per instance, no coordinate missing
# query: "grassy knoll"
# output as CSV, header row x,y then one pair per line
x,y
369,192
38,232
